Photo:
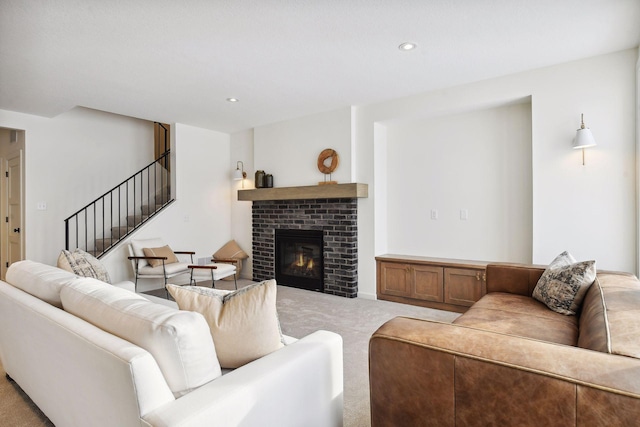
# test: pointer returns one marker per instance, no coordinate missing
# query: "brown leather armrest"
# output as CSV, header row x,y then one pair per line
x,y
147,257
184,252
452,375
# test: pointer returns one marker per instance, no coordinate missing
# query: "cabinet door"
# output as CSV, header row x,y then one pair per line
x,y
394,279
427,282
463,286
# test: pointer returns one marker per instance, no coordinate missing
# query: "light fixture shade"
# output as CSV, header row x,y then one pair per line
x,y
237,175
584,138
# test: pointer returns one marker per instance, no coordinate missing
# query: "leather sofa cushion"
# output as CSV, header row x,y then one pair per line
x,y
521,316
594,325
179,341
622,301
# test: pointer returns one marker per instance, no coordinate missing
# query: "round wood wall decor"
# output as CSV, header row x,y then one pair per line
x,y
325,155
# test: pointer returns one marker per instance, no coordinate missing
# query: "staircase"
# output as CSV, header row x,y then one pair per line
x,y
102,224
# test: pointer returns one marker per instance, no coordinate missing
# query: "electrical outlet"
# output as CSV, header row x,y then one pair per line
x,y
434,214
464,214
41,206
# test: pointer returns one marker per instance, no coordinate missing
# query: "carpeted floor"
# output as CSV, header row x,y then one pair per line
x,y
16,409
301,312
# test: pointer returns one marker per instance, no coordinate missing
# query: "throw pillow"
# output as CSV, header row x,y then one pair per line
x,y
164,251
244,324
564,284
83,264
231,250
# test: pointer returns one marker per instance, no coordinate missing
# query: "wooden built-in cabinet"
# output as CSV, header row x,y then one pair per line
x,y
446,284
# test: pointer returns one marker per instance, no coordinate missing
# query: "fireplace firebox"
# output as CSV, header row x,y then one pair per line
x,y
299,259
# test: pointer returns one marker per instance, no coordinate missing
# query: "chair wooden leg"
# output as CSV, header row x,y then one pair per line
x,y
235,282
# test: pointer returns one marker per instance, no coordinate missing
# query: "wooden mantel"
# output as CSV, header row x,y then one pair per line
x,y
331,191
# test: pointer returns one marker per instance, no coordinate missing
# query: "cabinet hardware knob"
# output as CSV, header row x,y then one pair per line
x,y
478,276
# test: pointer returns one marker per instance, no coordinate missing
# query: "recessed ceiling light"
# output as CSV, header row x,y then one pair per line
x,y
407,46
233,100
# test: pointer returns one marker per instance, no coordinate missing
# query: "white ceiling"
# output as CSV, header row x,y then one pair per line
x,y
178,61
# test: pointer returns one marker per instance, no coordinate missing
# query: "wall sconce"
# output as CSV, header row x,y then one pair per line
x,y
239,173
584,138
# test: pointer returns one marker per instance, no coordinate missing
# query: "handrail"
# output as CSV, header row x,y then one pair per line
x,y
119,185
135,200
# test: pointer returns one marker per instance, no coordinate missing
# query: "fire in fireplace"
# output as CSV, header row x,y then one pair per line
x,y
299,259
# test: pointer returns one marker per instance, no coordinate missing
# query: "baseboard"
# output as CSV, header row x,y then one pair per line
x,y
367,295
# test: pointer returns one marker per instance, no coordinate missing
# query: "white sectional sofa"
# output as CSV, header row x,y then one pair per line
x,y
80,374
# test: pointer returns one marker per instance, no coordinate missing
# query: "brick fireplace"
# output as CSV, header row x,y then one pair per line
x,y
336,218
330,209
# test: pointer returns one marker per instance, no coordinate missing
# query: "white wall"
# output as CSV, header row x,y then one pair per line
x,y
589,210
289,150
478,161
65,167
242,150
200,218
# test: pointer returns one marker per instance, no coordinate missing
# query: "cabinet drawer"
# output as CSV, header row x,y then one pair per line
x,y
463,286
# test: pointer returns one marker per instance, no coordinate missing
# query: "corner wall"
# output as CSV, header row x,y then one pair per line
x,y
73,158
67,166
588,210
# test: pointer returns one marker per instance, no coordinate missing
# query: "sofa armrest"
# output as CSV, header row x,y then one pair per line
x,y
298,385
454,375
511,278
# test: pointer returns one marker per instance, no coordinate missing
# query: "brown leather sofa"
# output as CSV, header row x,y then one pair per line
x,y
510,361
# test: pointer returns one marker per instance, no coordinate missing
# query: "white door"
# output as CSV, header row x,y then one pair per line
x,y
14,210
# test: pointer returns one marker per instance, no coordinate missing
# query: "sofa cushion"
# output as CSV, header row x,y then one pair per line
x,y
40,280
179,341
521,316
244,324
621,294
594,324
564,283
83,264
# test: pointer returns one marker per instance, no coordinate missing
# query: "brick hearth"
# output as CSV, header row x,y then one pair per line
x,y
337,218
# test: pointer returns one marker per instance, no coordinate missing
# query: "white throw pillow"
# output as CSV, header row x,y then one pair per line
x,y
564,284
179,341
244,324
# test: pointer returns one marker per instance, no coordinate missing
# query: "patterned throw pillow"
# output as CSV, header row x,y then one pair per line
x,y
83,264
564,284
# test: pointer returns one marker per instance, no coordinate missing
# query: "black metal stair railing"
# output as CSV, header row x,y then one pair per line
x,y
100,225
